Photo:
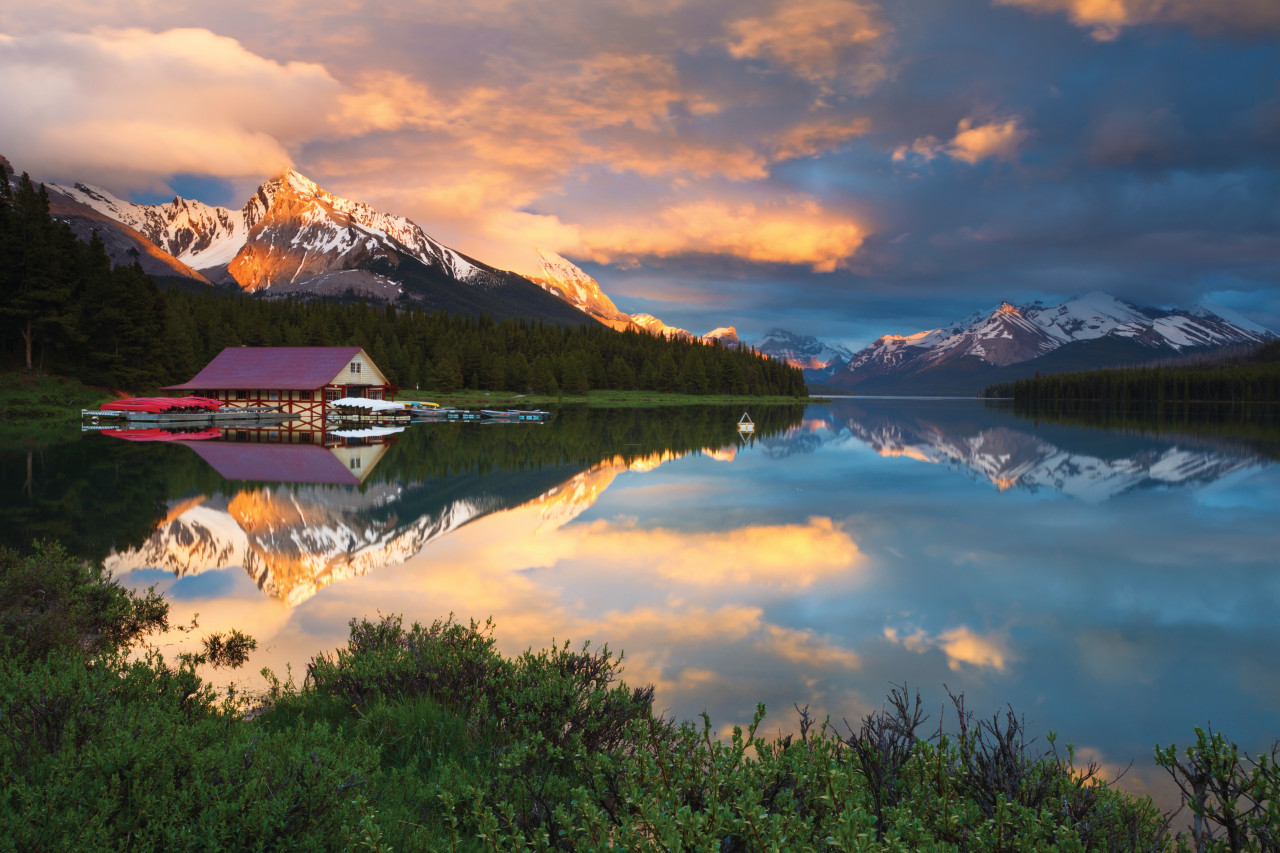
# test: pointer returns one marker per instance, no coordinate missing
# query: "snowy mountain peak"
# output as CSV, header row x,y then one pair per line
x,y
1013,334
818,359
654,326
563,278
726,335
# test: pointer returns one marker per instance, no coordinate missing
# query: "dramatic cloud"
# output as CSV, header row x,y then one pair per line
x,y
794,232
1107,18
822,41
113,105
996,140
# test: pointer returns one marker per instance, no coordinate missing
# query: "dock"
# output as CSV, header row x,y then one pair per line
x,y
249,415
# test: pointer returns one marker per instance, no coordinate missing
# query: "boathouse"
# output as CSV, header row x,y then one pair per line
x,y
296,379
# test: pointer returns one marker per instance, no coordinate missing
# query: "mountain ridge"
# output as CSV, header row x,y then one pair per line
x,y
1092,330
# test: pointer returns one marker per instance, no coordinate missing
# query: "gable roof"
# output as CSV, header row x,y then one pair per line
x,y
284,368
275,463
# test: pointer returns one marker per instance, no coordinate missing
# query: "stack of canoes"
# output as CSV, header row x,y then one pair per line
x,y
156,405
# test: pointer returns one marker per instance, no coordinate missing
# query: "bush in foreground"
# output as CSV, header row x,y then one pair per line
x,y
425,738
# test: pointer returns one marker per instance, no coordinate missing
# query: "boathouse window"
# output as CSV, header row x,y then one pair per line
x,y
331,394
242,395
375,394
355,461
273,395
306,395
355,367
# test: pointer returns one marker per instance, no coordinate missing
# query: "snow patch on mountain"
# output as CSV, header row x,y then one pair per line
x,y
562,278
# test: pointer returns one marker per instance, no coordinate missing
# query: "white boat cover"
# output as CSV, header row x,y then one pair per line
x,y
367,404
366,432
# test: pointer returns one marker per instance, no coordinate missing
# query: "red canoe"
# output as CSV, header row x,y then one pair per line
x,y
163,404
157,434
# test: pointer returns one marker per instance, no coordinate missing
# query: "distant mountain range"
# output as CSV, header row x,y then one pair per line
x,y
1090,331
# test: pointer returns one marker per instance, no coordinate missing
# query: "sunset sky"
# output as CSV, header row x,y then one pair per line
x,y
843,168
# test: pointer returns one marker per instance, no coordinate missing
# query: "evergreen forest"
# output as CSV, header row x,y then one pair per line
x,y
66,310
1253,377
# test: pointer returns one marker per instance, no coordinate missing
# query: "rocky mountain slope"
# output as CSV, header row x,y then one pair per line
x,y
294,238
1094,330
818,360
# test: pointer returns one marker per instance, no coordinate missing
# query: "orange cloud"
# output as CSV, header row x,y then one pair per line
x,y
1107,18
116,104
1000,139
795,232
962,646
788,555
818,40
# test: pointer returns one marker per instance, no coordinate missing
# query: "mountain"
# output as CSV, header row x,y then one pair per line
x,y
1090,331
817,359
654,326
562,278
294,238
726,335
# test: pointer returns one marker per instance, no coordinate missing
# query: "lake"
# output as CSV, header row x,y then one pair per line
x,y
1116,585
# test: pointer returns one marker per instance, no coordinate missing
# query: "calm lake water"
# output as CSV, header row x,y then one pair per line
x,y
1118,587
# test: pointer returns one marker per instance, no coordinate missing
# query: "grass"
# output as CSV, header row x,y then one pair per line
x,y
35,407
597,399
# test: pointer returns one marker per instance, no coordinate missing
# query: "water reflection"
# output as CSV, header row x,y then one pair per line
x,y
986,443
1119,587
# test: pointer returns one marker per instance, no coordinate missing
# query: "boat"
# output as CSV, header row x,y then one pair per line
x,y
527,415
160,434
445,413
157,405
365,409
181,411
745,424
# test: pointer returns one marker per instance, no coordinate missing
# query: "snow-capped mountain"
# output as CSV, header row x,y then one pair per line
x,y
726,335
654,326
294,238
564,279
818,360
290,229
1094,330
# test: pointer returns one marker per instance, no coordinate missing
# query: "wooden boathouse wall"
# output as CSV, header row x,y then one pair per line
x,y
298,380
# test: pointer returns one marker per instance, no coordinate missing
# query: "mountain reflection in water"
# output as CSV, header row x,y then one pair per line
x,y
1117,586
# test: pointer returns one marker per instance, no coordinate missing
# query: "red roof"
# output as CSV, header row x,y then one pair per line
x,y
275,463
283,368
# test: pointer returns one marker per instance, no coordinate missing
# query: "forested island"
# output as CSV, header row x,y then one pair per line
x,y
65,310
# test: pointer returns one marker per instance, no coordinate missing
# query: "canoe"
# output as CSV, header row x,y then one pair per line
x,y
157,405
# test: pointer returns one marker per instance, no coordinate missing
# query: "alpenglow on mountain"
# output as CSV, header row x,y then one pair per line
x,y
294,238
1090,331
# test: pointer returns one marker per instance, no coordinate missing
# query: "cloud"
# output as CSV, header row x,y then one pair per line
x,y
113,105
790,232
999,139
784,555
962,646
1107,18
822,41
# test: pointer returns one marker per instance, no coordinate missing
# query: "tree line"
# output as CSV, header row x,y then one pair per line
x,y
65,309
1255,379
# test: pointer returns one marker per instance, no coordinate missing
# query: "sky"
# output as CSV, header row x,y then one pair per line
x,y
841,168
